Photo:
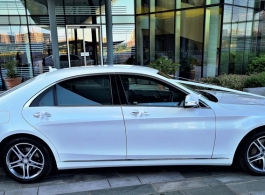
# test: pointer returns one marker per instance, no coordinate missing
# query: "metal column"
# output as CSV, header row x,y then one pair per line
x,y
109,32
54,34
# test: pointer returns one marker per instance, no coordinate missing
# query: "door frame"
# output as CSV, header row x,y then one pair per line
x,y
91,26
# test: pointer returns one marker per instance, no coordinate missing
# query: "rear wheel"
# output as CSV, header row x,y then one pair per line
x,y
252,155
26,160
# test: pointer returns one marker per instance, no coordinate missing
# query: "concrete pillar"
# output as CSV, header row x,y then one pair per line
x,y
109,32
54,33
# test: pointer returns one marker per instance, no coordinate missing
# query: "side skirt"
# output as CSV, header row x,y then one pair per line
x,y
129,163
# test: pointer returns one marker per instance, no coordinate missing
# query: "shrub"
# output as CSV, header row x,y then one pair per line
x,y
257,65
165,65
231,81
255,80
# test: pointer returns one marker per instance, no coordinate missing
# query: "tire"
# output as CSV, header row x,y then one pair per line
x,y
26,160
252,154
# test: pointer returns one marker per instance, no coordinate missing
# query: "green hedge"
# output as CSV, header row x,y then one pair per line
x,y
232,81
237,82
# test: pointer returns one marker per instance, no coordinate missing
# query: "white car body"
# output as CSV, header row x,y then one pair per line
x,y
108,136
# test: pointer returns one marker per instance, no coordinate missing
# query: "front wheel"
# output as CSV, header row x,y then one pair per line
x,y
25,160
252,154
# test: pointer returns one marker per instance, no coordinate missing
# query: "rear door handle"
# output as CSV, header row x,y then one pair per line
x,y
42,115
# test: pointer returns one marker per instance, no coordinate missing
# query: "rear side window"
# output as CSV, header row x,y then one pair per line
x,y
83,91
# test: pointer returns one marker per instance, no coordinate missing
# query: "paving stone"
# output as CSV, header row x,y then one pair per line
x,y
131,190
179,185
78,193
9,186
160,177
232,178
6,179
125,181
134,171
25,191
248,187
217,190
74,187
212,181
169,193
94,177
258,193
194,174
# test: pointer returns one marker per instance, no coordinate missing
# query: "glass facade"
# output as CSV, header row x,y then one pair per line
x,y
25,33
207,37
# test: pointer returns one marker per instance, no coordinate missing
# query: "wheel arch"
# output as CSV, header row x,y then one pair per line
x,y
250,133
14,136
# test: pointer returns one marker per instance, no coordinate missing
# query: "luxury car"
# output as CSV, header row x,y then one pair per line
x,y
106,116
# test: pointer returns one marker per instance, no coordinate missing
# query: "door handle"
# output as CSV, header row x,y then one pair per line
x,y
42,115
139,113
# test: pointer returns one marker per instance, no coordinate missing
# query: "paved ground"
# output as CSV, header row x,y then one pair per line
x,y
173,180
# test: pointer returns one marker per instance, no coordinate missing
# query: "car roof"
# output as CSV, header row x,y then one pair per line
x,y
68,72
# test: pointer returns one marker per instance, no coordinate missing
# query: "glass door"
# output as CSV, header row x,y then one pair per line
x,y
84,46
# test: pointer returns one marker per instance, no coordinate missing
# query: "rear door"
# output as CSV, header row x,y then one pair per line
x,y
82,119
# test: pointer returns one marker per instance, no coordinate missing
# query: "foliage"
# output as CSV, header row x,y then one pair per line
x,y
231,81
255,80
257,65
165,65
11,69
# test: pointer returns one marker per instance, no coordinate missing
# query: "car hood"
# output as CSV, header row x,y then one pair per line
x,y
226,95
236,98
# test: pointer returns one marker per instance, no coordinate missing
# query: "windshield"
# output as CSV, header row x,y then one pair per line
x,y
202,91
165,75
17,87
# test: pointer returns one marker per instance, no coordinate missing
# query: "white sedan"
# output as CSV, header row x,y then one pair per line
x,y
108,116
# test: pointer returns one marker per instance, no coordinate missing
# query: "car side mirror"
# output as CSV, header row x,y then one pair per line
x,y
191,100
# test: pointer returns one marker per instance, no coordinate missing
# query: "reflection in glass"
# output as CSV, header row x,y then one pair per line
x,y
188,3
191,42
142,6
162,5
143,39
162,35
211,41
37,8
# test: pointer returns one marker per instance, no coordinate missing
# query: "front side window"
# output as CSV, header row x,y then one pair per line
x,y
146,91
83,91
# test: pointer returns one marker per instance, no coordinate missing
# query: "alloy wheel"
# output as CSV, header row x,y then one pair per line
x,y
256,154
25,161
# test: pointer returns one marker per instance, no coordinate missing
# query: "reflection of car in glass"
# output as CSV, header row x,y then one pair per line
x,y
100,116
64,63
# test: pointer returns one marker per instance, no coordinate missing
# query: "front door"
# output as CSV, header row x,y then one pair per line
x,y
84,44
159,127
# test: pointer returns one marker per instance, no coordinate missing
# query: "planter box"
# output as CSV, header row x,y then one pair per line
x,y
256,90
12,82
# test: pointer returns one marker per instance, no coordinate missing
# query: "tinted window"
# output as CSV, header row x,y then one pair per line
x,y
149,92
44,99
64,58
84,91
73,57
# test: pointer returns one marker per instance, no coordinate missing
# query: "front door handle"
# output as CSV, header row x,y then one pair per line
x,y
139,113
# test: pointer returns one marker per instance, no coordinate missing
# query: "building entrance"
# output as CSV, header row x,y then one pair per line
x,y
84,45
